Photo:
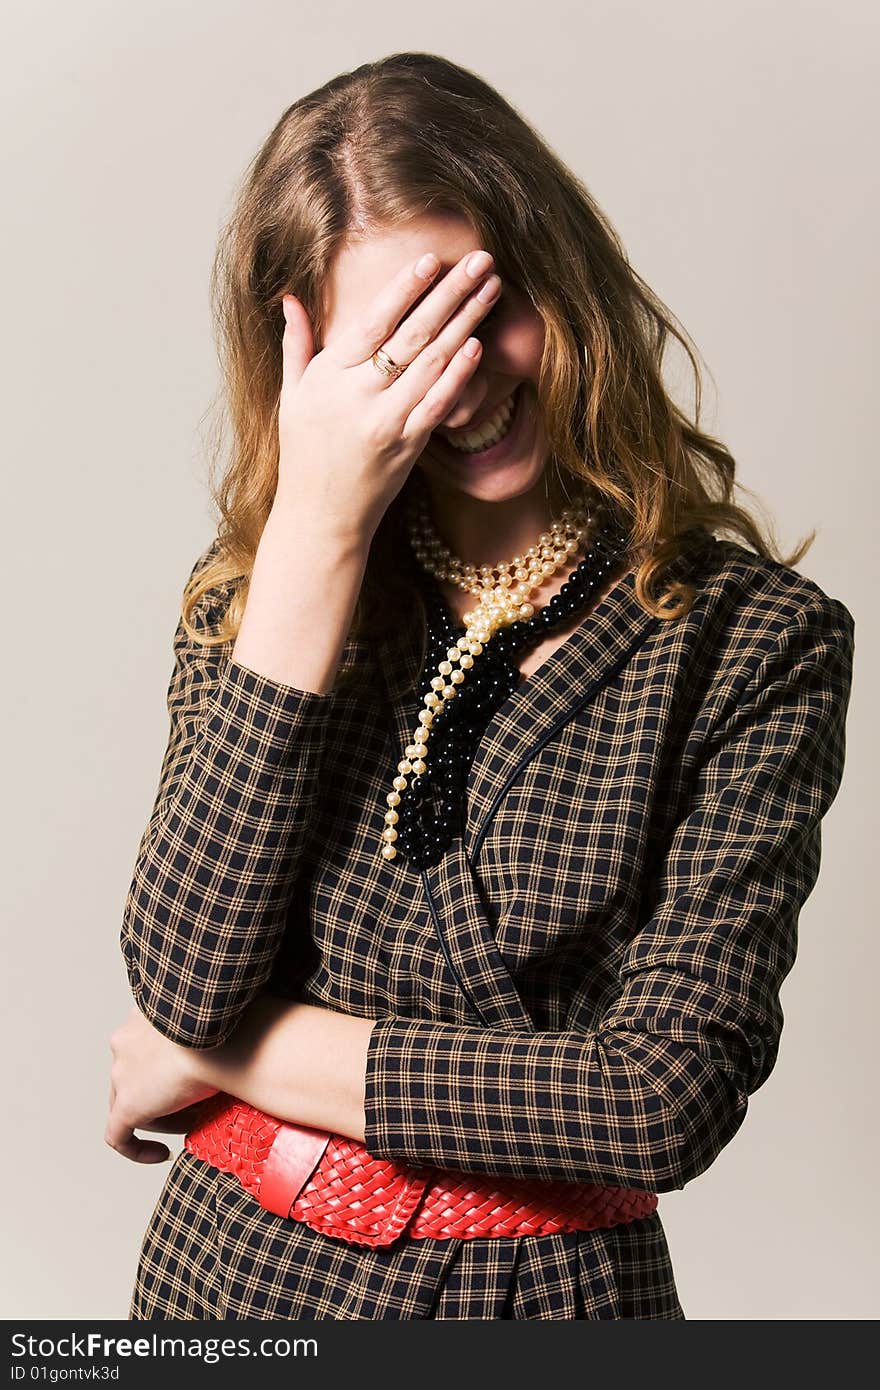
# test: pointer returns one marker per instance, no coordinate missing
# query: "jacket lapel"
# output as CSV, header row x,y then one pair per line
x,y
533,714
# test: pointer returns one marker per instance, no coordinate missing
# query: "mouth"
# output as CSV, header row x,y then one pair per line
x,y
493,438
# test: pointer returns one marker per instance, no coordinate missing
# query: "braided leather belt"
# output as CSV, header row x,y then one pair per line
x,y
337,1187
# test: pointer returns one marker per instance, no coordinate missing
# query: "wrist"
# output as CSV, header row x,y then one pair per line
x,y
225,1066
299,1061
285,521
204,1065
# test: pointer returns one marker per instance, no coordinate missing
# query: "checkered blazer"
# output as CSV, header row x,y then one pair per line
x,y
586,987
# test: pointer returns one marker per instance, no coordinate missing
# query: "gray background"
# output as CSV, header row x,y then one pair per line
x,y
731,146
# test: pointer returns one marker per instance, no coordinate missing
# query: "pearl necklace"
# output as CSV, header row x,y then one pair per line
x,y
503,594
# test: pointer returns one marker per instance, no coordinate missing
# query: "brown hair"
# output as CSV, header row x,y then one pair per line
x,y
388,142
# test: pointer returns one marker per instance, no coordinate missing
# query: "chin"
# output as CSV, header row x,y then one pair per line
x,y
513,484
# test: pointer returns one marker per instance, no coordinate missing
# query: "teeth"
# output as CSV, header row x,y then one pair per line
x,y
490,432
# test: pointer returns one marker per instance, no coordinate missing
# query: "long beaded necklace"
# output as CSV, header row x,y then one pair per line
x,y
423,817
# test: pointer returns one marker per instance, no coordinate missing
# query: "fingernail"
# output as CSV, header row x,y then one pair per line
x,y
478,263
426,266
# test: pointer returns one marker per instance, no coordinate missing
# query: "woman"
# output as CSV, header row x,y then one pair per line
x,y
477,884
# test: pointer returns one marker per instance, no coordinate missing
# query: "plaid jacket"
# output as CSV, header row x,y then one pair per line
x,y
586,986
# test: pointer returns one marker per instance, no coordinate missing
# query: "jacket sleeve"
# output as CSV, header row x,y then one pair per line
x,y
217,862
649,1097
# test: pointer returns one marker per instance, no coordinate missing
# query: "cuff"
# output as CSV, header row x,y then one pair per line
x,y
270,714
452,1095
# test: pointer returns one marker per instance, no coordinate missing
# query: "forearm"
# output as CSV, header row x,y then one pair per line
x,y
301,598
216,866
296,1061
209,896
613,1106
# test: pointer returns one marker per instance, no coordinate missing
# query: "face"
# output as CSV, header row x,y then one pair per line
x,y
512,335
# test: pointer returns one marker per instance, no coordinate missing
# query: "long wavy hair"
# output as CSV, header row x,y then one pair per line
x,y
385,143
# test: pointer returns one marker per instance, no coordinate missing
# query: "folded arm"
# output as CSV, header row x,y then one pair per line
x,y
650,1096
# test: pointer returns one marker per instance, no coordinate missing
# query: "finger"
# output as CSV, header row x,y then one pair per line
x,y
121,1137
404,394
168,1124
297,344
468,404
438,400
377,324
177,1121
422,327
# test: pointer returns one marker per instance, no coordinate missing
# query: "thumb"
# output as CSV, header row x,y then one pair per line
x,y
298,344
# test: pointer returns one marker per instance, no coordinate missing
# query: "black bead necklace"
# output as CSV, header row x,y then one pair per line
x,y
430,810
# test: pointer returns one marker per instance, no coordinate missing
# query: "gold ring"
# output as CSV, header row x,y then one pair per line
x,y
386,365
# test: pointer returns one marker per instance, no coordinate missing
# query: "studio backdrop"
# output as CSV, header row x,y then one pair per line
x,y
731,147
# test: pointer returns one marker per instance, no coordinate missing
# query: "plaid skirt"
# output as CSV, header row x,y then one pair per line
x,y
211,1252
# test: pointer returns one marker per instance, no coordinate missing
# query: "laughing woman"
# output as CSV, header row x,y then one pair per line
x,y
494,779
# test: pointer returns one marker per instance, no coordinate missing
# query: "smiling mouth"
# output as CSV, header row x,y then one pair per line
x,y
478,439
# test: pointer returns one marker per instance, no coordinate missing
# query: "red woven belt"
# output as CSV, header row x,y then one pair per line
x,y
337,1187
